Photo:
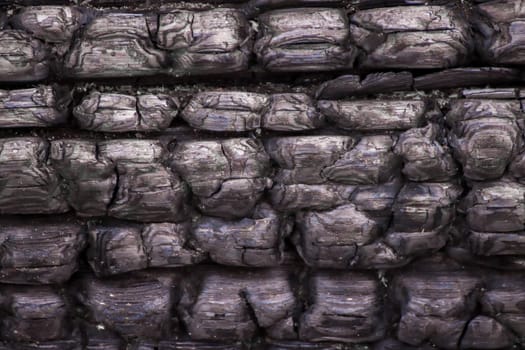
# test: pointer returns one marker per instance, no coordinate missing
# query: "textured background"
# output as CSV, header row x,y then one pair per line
x,y
264,174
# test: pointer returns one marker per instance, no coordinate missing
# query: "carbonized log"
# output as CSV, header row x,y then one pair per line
x,y
304,40
53,24
226,111
426,154
477,334
204,42
472,76
411,37
291,112
370,161
435,305
35,107
147,190
22,58
40,251
149,193
495,206
502,302
499,24
132,306
236,111
28,185
425,206
32,314
90,178
255,242
115,248
344,307
301,159
296,197
231,305
375,115
374,83
494,93
330,239
486,135
115,45
108,112
228,177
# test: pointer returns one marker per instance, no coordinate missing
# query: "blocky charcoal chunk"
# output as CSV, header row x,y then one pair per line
x,y
496,243
34,107
304,39
291,112
132,306
39,252
500,24
370,161
226,110
235,198
377,200
230,305
343,307
123,113
132,151
302,158
54,24
116,249
22,58
503,301
316,197
149,193
256,242
435,305
496,206
170,245
121,247
27,184
90,178
423,207
425,154
374,83
115,45
375,115
147,190
32,314
486,135
243,111
471,76
486,333
330,239
203,42
228,177
411,37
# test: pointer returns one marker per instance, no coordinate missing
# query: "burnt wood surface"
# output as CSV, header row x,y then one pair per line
x,y
262,174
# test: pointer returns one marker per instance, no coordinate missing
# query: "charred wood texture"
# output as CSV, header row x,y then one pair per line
x,y
243,111
354,178
412,37
35,107
302,40
40,252
285,36
123,113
